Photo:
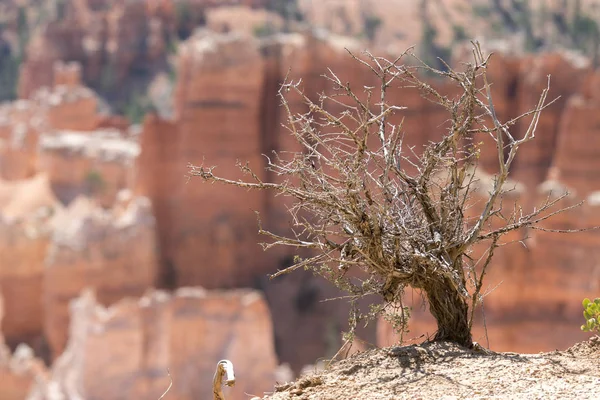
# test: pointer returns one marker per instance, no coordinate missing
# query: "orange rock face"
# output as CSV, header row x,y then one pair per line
x,y
68,106
18,371
37,72
19,131
24,238
113,252
217,119
227,110
98,164
575,159
535,158
243,19
114,40
124,351
71,108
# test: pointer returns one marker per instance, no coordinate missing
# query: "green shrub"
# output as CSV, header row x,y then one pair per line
x,y
22,29
591,313
264,30
108,77
9,75
483,11
459,33
137,106
288,9
94,182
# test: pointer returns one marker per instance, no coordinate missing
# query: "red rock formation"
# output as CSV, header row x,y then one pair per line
x,y
243,19
117,122
212,217
217,105
25,208
67,74
113,252
90,32
18,371
575,153
19,125
160,177
66,106
395,24
504,78
125,351
114,40
37,72
69,107
98,164
535,158
565,265
308,325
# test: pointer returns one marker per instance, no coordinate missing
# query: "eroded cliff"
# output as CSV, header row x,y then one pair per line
x,y
87,201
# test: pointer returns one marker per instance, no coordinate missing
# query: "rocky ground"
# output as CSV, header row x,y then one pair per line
x,y
447,371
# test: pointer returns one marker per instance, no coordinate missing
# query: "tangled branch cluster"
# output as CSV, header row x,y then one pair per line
x,y
380,216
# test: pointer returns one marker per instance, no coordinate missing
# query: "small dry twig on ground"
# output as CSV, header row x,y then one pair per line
x,y
378,216
168,388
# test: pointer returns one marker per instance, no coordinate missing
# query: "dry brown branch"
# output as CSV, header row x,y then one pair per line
x,y
380,216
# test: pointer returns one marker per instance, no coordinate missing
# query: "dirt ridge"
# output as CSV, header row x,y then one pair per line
x,y
442,370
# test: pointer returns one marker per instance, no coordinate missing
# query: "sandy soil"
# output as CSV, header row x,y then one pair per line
x,y
446,371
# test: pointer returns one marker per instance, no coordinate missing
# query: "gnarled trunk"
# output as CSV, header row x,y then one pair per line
x,y
451,311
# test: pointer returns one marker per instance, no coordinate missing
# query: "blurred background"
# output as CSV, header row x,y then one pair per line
x,y
114,266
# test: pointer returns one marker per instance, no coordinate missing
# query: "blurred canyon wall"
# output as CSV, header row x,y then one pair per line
x,y
114,266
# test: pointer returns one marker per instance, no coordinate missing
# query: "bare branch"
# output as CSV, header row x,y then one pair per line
x,y
373,215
